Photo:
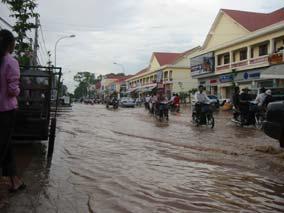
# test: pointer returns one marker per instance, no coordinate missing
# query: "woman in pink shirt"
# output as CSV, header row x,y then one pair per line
x,y
9,90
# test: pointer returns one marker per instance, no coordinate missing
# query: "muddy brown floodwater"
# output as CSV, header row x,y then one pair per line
x,y
126,161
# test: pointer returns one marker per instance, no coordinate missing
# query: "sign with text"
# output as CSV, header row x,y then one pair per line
x,y
202,64
226,78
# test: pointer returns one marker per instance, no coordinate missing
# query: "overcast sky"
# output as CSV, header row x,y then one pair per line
x,y
127,31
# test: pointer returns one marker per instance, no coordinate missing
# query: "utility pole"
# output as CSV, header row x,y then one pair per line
x,y
49,60
35,62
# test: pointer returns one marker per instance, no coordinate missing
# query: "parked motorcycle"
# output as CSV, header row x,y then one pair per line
x,y
203,115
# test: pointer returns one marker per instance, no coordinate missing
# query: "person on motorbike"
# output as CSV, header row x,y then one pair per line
x,y
172,98
162,104
245,99
236,102
267,99
202,102
153,101
176,103
147,101
260,97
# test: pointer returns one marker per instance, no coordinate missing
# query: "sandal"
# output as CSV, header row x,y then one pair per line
x,y
20,188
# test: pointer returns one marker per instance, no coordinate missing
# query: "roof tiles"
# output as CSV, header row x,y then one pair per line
x,y
254,21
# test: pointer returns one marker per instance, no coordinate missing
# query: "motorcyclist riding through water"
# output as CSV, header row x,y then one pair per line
x,y
236,102
175,103
202,102
162,106
246,113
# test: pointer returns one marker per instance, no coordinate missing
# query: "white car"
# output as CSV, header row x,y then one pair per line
x,y
127,102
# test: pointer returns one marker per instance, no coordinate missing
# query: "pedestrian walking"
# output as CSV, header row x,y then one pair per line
x,y
9,90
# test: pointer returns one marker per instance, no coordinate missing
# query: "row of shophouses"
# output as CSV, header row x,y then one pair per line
x,y
242,48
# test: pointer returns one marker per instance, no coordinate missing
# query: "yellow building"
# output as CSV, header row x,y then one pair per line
x,y
243,48
171,69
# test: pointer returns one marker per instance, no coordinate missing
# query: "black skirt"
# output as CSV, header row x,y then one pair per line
x,y
7,159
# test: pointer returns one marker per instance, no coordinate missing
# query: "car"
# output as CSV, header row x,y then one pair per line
x,y
273,126
127,102
214,100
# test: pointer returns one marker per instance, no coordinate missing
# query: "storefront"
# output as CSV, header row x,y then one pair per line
x,y
252,79
225,86
273,74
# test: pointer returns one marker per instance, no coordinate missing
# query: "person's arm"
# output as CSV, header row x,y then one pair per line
x,y
206,97
258,99
13,78
196,97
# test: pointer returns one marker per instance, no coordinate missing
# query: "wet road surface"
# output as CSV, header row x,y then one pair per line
x,y
126,161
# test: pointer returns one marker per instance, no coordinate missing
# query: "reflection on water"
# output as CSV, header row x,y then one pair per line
x,y
124,161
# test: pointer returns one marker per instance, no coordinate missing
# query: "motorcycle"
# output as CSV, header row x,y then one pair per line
x,y
114,102
254,116
203,115
162,111
175,107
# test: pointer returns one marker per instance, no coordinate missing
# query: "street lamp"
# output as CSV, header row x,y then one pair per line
x,y
121,65
61,38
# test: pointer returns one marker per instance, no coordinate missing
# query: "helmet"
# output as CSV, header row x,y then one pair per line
x,y
268,92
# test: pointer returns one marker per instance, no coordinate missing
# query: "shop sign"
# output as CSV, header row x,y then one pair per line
x,y
225,78
251,75
213,81
202,64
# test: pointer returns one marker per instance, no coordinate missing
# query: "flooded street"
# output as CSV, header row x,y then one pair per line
x,y
126,161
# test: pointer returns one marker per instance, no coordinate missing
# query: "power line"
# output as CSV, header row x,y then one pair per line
x,y
43,51
42,37
6,22
42,58
39,62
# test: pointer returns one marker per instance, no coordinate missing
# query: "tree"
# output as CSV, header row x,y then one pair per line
x,y
85,79
23,11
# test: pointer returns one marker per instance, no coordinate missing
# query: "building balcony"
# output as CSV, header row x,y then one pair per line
x,y
259,60
223,67
239,64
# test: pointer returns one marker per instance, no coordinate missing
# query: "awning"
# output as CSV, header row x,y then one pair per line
x,y
132,90
149,89
273,72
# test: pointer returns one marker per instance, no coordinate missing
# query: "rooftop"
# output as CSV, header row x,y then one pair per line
x,y
254,21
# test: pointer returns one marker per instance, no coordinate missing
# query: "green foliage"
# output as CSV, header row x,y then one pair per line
x,y
85,79
24,13
81,90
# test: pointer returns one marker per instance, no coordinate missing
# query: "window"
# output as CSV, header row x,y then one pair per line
x,y
263,49
171,75
234,56
219,59
226,58
251,52
243,54
166,75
